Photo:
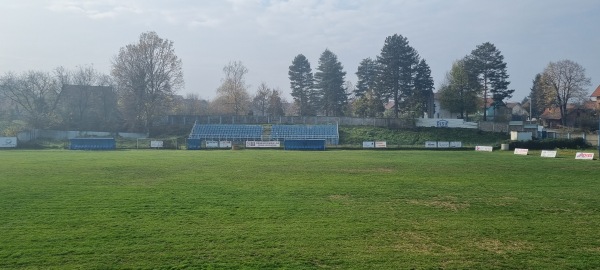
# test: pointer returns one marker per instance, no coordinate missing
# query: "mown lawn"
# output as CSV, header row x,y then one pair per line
x,y
268,209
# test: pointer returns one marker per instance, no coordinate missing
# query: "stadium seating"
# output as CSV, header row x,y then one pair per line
x,y
305,132
226,132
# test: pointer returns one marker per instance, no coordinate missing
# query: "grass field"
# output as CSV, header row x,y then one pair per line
x,y
297,210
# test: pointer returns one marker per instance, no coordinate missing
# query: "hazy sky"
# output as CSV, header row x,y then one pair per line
x,y
267,34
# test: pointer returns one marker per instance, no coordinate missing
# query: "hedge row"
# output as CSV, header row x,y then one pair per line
x,y
548,144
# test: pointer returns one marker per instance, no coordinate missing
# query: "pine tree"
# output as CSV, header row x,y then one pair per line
x,y
423,94
486,62
458,94
302,84
330,81
397,63
367,76
540,96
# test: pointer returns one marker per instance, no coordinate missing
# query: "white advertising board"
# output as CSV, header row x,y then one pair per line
x,y
368,144
381,144
443,144
225,144
8,142
430,144
156,144
581,155
263,144
548,154
455,144
484,148
521,151
212,144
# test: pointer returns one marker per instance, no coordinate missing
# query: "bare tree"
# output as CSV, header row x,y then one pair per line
x,y
276,103
148,75
191,104
260,102
233,92
568,81
35,92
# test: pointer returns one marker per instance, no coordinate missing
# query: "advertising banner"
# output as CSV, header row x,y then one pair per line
x,y
8,142
263,144
443,144
156,144
455,144
381,144
368,144
521,151
212,144
225,144
548,154
430,144
581,155
484,148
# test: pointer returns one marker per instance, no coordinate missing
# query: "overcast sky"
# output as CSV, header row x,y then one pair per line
x,y
266,35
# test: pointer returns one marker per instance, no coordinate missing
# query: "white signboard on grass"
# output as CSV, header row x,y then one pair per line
x,y
8,142
156,144
443,144
581,155
455,144
430,144
521,151
484,148
548,154
225,144
212,144
263,144
367,144
381,144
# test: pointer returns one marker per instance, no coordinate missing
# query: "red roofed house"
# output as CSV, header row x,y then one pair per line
x,y
577,115
596,97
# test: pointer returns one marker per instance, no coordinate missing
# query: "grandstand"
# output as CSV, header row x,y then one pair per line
x,y
329,133
236,133
240,133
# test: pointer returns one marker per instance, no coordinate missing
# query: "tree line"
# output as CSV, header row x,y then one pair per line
x,y
398,76
146,76
478,82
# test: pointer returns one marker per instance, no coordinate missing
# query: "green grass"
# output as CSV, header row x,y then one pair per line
x,y
418,136
297,210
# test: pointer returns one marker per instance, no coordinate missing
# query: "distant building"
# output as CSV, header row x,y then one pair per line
x,y
517,111
84,107
577,114
596,97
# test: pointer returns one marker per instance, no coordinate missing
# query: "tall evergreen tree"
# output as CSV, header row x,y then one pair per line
x,y
330,79
458,93
423,88
487,63
397,63
302,84
367,77
540,96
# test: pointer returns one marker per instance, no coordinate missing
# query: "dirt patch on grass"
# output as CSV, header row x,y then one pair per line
x,y
419,243
343,199
503,201
502,247
369,170
447,202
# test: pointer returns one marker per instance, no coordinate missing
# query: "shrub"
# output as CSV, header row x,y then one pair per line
x,y
578,143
